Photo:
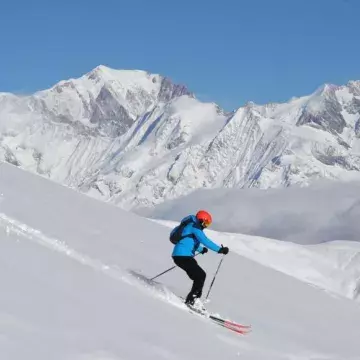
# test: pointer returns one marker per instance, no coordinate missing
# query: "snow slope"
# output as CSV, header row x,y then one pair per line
x,y
333,266
67,292
315,225
136,139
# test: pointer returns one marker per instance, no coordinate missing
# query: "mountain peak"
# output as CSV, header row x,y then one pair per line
x,y
127,78
105,70
325,89
138,80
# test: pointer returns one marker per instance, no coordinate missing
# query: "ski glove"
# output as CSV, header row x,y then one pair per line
x,y
223,250
204,250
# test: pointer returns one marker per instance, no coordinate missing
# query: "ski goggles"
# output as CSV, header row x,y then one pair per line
x,y
206,223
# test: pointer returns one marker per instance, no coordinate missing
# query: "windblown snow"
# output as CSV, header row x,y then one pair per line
x,y
136,139
69,291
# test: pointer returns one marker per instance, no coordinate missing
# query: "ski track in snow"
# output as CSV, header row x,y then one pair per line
x,y
130,278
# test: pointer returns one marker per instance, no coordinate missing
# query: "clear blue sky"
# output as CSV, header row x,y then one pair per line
x,y
227,51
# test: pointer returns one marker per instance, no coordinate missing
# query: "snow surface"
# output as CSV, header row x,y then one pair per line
x,y
67,292
307,231
333,266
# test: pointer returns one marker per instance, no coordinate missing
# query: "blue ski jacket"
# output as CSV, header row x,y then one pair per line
x,y
195,241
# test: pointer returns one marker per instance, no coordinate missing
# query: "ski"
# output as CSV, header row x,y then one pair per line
x,y
231,325
239,328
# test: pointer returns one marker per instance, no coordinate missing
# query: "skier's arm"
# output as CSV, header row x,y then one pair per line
x,y
205,240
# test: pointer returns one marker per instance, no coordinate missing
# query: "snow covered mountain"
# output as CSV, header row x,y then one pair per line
x,y
67,265
136,139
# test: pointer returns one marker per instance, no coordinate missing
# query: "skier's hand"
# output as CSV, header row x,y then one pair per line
x,y
204,250
223,250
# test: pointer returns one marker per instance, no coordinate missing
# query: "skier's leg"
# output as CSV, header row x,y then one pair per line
x,y
198,275
195,273
199,280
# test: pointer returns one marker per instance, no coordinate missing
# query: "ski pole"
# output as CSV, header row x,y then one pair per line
x,y
164,272
212,283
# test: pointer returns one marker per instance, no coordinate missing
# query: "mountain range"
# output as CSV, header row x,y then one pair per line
x,y
136,139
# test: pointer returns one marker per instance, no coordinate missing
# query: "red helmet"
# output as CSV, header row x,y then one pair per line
x,y
204,217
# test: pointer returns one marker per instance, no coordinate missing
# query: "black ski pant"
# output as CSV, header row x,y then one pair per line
x,y
195,273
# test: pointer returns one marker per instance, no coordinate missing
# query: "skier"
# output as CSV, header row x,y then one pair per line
x,y
190,240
